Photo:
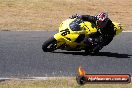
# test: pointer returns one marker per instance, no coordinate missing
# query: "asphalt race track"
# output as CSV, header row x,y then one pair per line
x,y
21,56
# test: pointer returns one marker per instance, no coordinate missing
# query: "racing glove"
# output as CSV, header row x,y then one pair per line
x,y
75,16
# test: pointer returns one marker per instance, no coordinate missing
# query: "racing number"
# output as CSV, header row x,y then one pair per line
x,y
119,25
65,32
115,27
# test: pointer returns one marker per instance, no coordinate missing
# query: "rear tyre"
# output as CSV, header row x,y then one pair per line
x,y
49,45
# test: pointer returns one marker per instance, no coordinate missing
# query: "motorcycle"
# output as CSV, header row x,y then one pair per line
x,y
71,35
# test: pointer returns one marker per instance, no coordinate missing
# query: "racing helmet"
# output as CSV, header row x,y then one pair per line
x,y
102,19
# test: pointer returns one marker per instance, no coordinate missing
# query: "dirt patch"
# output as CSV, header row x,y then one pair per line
x,y
48,14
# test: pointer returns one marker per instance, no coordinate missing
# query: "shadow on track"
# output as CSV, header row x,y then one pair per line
x,y
107,54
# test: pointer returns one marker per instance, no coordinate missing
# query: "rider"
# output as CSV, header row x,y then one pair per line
x,y
105,29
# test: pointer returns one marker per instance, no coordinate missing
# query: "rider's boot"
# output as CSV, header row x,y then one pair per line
x,y
89,44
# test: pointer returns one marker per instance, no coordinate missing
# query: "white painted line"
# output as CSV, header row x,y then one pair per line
x,y
30,78
39,78
5,78
127,31
26,78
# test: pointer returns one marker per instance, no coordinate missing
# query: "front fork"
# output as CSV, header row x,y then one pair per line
x,y
60,40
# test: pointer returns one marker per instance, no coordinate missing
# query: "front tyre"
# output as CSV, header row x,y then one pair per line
x,y
49,45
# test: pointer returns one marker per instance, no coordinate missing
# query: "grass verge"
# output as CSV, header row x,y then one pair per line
x,y
48,14
64,82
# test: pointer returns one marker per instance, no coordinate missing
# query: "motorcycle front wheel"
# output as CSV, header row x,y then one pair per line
x,y
49,45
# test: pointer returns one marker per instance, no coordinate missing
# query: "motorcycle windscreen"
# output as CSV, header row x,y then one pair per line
x,y
75,25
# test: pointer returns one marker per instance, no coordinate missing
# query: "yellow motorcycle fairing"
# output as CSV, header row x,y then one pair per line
x,y
67,36
118,28
66,40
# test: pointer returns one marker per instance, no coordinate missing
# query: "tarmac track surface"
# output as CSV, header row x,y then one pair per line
x,y
21,56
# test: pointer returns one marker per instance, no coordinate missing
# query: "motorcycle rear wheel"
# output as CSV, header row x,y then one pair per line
x,y
49,45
